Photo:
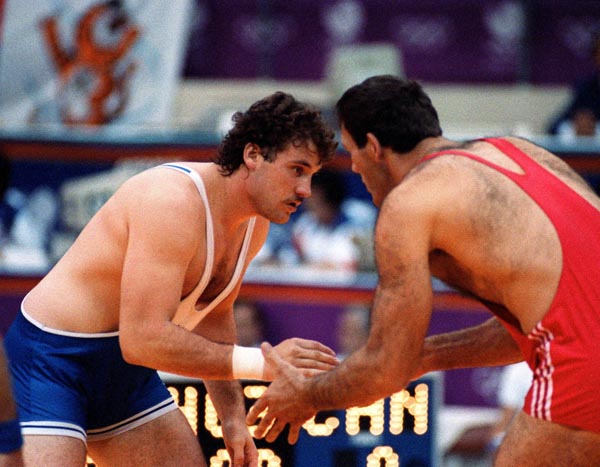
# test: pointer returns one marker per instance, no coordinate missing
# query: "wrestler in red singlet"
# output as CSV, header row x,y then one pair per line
x,y
564,348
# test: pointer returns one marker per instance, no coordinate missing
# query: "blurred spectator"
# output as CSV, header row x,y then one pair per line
x,y
352,329
582,114
26,222
515,381
322,234
250,324
278,249
332,232
583,123
477,444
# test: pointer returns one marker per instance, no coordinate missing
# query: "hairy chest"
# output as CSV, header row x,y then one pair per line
x,y
217,270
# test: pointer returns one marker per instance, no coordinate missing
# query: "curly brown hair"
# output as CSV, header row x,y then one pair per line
x,y
273,123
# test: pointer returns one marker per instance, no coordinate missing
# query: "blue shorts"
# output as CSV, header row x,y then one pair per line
x,y
78,385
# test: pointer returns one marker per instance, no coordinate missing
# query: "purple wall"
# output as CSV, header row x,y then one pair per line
x,y
475,387
496,41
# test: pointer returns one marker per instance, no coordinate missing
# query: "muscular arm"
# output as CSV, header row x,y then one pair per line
x,y
488,344
164,233
400,319
400,316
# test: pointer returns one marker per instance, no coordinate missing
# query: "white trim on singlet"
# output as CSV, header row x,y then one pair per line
x,y
60,332
151,413
56,428
187,316
53,428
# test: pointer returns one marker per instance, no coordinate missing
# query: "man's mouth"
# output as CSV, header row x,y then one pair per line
x,y
293,205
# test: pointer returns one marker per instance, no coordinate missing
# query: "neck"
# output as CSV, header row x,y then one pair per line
x,y
432,145
227,197
402,164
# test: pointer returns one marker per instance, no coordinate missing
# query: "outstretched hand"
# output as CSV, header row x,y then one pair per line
x,y
310,356
286,400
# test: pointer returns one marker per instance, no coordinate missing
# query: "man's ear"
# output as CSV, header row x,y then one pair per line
x,y
373,147
252,153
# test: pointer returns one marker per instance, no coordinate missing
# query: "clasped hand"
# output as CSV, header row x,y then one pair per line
x,y
286,400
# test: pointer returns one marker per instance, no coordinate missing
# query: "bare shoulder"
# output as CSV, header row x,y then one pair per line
x,y
558,167
161,191
162,209
409,211
542,156
429,187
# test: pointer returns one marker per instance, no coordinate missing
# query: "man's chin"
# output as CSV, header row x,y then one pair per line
x,y
284,219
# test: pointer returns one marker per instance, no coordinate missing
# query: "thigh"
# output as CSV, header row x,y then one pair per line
x,y
531,442
53,451
167,441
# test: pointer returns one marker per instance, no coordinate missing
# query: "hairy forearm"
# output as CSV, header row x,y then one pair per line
x,y
488,344
389,359
363,378
172,349
228,399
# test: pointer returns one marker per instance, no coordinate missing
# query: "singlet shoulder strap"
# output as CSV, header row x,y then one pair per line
x,y
189,302
514,153
210,238
237,273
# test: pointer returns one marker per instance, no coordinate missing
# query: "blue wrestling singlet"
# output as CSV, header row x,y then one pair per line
x,y
78,385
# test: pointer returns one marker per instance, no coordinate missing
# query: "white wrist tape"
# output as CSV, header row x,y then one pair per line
x,y
247,363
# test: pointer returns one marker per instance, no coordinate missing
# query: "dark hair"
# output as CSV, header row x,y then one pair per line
x,y
273,123
396,111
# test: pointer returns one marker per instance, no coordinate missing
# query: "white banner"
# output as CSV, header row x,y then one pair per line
x,y
91,62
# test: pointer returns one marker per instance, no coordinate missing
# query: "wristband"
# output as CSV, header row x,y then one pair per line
x,y
247,363
10,436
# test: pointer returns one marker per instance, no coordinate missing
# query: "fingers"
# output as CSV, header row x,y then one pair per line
x,y
243,453
251,455
314,345
294,433
310,372
264,425
270,356
237,459
275,430
255,411
322,356
316,360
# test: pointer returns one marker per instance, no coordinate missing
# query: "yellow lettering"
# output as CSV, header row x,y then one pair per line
x,y
321,429
416,406
373,411
384,453
254,392
190,405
